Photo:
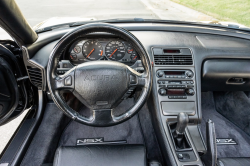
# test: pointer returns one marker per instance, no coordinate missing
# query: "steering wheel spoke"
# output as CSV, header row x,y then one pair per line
x,y
103,117
66,81
136,79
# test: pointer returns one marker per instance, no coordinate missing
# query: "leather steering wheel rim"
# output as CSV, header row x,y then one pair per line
x,y
102,116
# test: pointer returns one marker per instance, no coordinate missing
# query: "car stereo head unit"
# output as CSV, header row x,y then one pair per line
x,y
184,74
176,84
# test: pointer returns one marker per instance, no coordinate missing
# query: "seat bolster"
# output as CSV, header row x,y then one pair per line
x,y
105,155
154,163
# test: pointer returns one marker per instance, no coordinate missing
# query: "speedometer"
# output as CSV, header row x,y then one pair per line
x,y
115,50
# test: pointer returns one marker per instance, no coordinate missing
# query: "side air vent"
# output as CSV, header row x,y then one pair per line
x,y
35,75
170,57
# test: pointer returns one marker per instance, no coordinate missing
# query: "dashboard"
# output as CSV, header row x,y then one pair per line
x,y
186,59
92,49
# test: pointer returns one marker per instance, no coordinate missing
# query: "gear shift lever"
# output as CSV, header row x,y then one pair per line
x,y
182,122
178,134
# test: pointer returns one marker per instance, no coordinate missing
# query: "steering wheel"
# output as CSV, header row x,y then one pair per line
x,y
99,85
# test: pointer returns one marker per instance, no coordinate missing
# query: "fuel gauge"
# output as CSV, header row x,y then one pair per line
x,y
73,57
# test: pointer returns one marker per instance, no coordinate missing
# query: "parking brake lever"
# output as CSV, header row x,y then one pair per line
x,y
210,158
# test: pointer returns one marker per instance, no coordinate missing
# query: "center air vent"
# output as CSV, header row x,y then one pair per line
x,y
35,75
170,57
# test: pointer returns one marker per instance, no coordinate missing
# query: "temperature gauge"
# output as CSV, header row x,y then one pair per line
x,y
134,57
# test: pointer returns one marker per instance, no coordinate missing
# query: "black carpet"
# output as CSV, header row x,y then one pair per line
x,y
224,129
151,143
137,130
58,130
44,144
128,130
235,106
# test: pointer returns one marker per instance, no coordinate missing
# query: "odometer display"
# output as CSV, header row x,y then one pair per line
x,y
115,50
92,50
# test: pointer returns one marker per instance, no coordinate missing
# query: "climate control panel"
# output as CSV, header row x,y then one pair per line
x,y
176,89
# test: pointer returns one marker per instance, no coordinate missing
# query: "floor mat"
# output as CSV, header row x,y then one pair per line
x,y
224,129
129,130
235,106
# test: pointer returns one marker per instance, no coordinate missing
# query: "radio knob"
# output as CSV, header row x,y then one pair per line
x,y
163,92
190,91
189,74
160,73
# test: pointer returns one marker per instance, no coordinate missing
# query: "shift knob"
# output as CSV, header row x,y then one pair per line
x,y
182,122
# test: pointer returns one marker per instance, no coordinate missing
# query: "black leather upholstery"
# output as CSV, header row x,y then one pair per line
x,y
101,155
233,161
154,163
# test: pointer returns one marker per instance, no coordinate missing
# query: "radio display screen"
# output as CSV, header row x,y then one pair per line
x,y
174,72
176,92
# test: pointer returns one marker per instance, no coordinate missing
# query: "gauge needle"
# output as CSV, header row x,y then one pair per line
x,y
101,53
135,57
112,53
130,50
75,50
90,53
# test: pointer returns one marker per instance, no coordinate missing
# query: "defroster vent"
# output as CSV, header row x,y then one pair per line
x,y
35,75
163,57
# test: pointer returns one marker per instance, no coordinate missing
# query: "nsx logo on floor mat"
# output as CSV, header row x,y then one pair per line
x,y
225,141
89,140
86,141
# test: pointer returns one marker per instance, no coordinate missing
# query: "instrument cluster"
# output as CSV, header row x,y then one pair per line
x,y
113,49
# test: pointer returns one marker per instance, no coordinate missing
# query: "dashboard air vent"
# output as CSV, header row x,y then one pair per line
x,y
173,59
35,75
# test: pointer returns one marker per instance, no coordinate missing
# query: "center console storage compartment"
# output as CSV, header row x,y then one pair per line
x,y
225,75
173,108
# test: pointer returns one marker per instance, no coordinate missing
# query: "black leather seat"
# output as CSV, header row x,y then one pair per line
x,y
103,155
233,161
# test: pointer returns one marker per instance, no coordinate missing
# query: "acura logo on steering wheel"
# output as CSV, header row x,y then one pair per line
x,y
100,77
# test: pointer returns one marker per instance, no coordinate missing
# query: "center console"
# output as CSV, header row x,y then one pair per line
x,y
176,88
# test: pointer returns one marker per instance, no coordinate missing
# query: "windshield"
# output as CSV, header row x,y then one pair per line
x,y
36,11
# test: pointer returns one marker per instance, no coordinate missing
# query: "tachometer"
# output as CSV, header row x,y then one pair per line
x,y
115,50
92,50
